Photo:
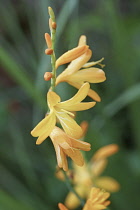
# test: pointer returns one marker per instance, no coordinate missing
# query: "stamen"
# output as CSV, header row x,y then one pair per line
x,y
70,113
93,63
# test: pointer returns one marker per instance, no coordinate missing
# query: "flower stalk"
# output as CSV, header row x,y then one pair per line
x,y
53,58
68,183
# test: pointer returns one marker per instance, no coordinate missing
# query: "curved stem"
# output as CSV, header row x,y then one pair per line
x,y
68,183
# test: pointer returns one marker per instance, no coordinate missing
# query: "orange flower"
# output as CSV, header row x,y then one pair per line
x,y
76,76
66,146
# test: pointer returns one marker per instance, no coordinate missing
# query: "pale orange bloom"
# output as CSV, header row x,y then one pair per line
x,y
76,76
71,55
66,146
63,111
48,40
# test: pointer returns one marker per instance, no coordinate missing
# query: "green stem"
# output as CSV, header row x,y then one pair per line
x,y
68,183
53,58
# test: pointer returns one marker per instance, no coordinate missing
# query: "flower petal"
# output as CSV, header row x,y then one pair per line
x,y
71,55
91,75
58,154
80,106
80,144
74,66
60,138
76,156
91,93
97,167
82,40
77,98
42,125
105,151
46,129
69,125
53,99
64,161
108,183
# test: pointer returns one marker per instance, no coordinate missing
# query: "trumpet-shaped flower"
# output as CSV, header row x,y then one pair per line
x,y
97,200
63,111
89,175
67,146
76,76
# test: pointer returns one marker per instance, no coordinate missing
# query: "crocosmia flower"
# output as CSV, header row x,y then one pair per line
x,y
79,71
66,146
63,112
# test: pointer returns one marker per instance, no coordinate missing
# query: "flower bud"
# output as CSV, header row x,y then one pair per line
x,y
54,25
51,13
49,51
47,76
48,40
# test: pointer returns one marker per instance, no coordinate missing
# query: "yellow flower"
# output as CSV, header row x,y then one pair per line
x,y
76,77
67,146
97,200
62,111
84,178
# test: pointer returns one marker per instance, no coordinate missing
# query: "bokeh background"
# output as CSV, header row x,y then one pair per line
x,y
27,180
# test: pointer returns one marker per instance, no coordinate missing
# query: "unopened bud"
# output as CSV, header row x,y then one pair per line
x,y
54,25
49,51
47,76
51,13
48,40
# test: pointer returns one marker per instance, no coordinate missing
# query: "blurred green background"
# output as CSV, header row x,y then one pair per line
x,y
27,180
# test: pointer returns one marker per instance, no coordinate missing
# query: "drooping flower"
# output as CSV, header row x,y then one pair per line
x,y
62,111
76,76
84,178
66,146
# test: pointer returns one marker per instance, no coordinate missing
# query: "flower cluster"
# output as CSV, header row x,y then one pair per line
x,y
66,140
